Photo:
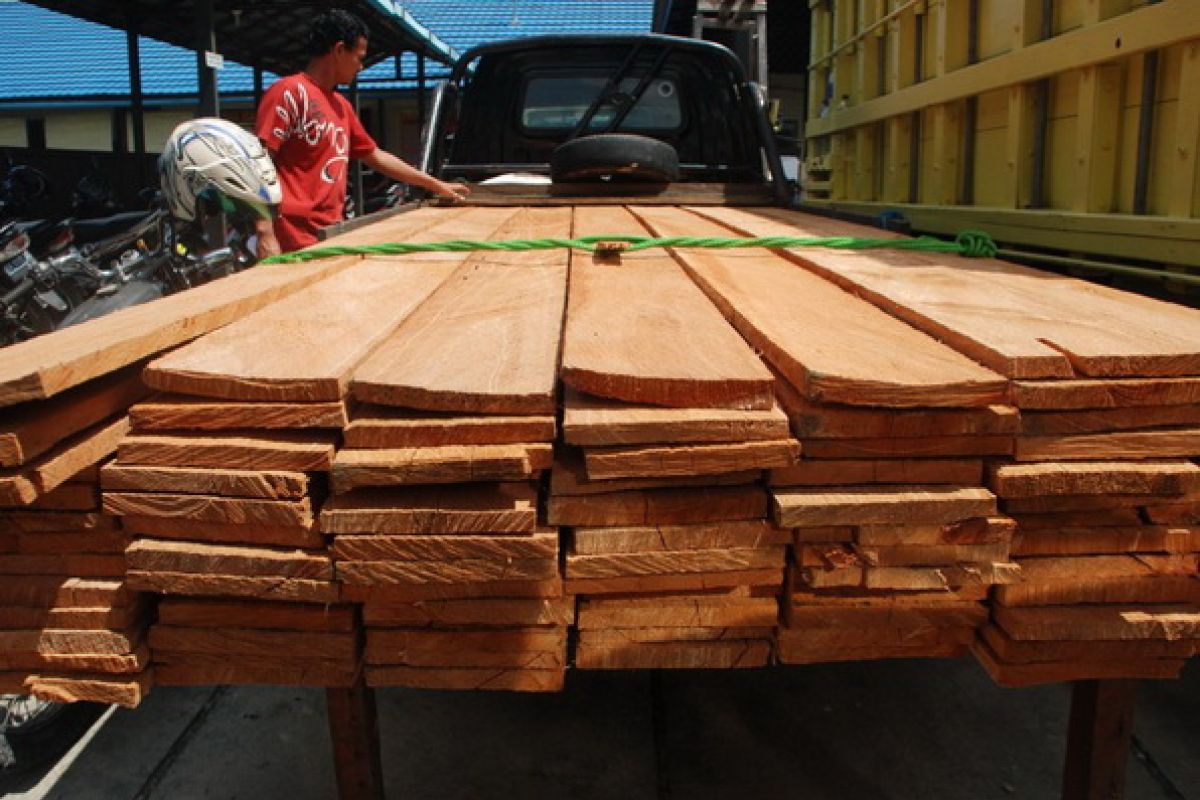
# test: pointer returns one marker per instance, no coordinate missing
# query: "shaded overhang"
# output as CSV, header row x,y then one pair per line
x,y
269,34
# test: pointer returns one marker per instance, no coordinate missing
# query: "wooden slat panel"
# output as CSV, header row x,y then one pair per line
x,y
487,508
266,484
488,340
378,427
1022,322
34,428
650,461
591,420
176,412
830,346
1099,478
50,364
450,464
276,451
641,332
305,347
865,506
22,485
1122,393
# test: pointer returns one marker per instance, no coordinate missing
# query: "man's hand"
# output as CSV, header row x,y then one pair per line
x,y
450,191
268,245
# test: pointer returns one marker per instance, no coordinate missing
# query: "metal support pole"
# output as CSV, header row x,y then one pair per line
x,y
137,101
354,731
206,41
760,53
1098,739
421,112
258,86
360,199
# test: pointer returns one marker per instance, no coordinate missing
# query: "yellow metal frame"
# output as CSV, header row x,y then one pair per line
x,y
1036,141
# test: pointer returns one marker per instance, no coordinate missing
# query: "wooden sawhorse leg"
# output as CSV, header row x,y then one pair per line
x,y
354,730
1098,739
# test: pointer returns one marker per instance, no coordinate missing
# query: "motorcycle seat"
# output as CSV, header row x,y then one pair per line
x,y
93,230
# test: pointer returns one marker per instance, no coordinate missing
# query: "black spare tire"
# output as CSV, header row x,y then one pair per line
x,y
619,156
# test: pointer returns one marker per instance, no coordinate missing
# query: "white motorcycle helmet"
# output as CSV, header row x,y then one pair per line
x,y
212,155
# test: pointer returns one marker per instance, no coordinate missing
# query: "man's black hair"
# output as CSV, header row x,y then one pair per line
x,y
331,27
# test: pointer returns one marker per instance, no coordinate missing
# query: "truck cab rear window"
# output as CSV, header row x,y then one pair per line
x,y
557,104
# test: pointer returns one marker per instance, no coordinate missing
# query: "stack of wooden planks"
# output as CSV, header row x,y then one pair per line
x,y
1107,385
434,513
70,628
1109,555
351,475
205,641
896,542
222,478
669,420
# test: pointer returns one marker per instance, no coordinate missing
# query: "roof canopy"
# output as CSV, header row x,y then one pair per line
x,y
262,33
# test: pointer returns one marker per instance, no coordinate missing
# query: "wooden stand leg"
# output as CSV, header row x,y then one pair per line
x,y
1098,739
354,729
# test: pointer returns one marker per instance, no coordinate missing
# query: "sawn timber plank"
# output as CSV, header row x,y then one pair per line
x,y
486,611
1022,322
1094,478
880,505
295,452
659,506
152,555
443,509
568,477
831,472
592,421
487,341
236,510
263,484
830,345
47,365
379,427
1164,443
22,485
1105,394
641,332
447,464
433,548
33,428
303,348
181,413
680,460
666,538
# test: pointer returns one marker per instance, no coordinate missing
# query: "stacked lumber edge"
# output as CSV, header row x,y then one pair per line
x,y
462,470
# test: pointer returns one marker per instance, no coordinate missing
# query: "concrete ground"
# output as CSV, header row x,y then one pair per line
x,y
900,729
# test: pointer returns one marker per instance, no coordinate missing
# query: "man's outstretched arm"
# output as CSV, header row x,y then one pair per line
x,y
398,170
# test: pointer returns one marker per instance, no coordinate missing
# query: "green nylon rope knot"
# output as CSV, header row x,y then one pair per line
x,y
976,244
973,244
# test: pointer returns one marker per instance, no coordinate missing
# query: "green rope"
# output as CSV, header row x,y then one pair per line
x,y
974,244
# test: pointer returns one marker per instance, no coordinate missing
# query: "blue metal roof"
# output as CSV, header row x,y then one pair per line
x,y
463,25
52,59
52,56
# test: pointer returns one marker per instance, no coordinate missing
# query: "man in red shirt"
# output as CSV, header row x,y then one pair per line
x,y
312,132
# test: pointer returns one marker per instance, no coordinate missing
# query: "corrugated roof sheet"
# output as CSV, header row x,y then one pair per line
x,y
462,25
54,57
50,55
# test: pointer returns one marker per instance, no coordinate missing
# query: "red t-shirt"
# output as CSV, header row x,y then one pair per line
x,y
311,134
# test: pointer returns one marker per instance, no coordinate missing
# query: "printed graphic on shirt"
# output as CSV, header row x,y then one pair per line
x,y
303,120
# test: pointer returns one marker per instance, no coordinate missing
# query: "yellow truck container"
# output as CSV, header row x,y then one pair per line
x,y
1058,126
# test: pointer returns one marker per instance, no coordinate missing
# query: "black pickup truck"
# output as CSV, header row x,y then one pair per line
x,y
618,116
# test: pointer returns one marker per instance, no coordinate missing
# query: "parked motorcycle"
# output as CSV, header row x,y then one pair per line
x,y
33,298
216,182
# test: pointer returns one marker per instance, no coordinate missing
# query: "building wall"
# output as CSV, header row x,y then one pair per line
x,y
12,131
